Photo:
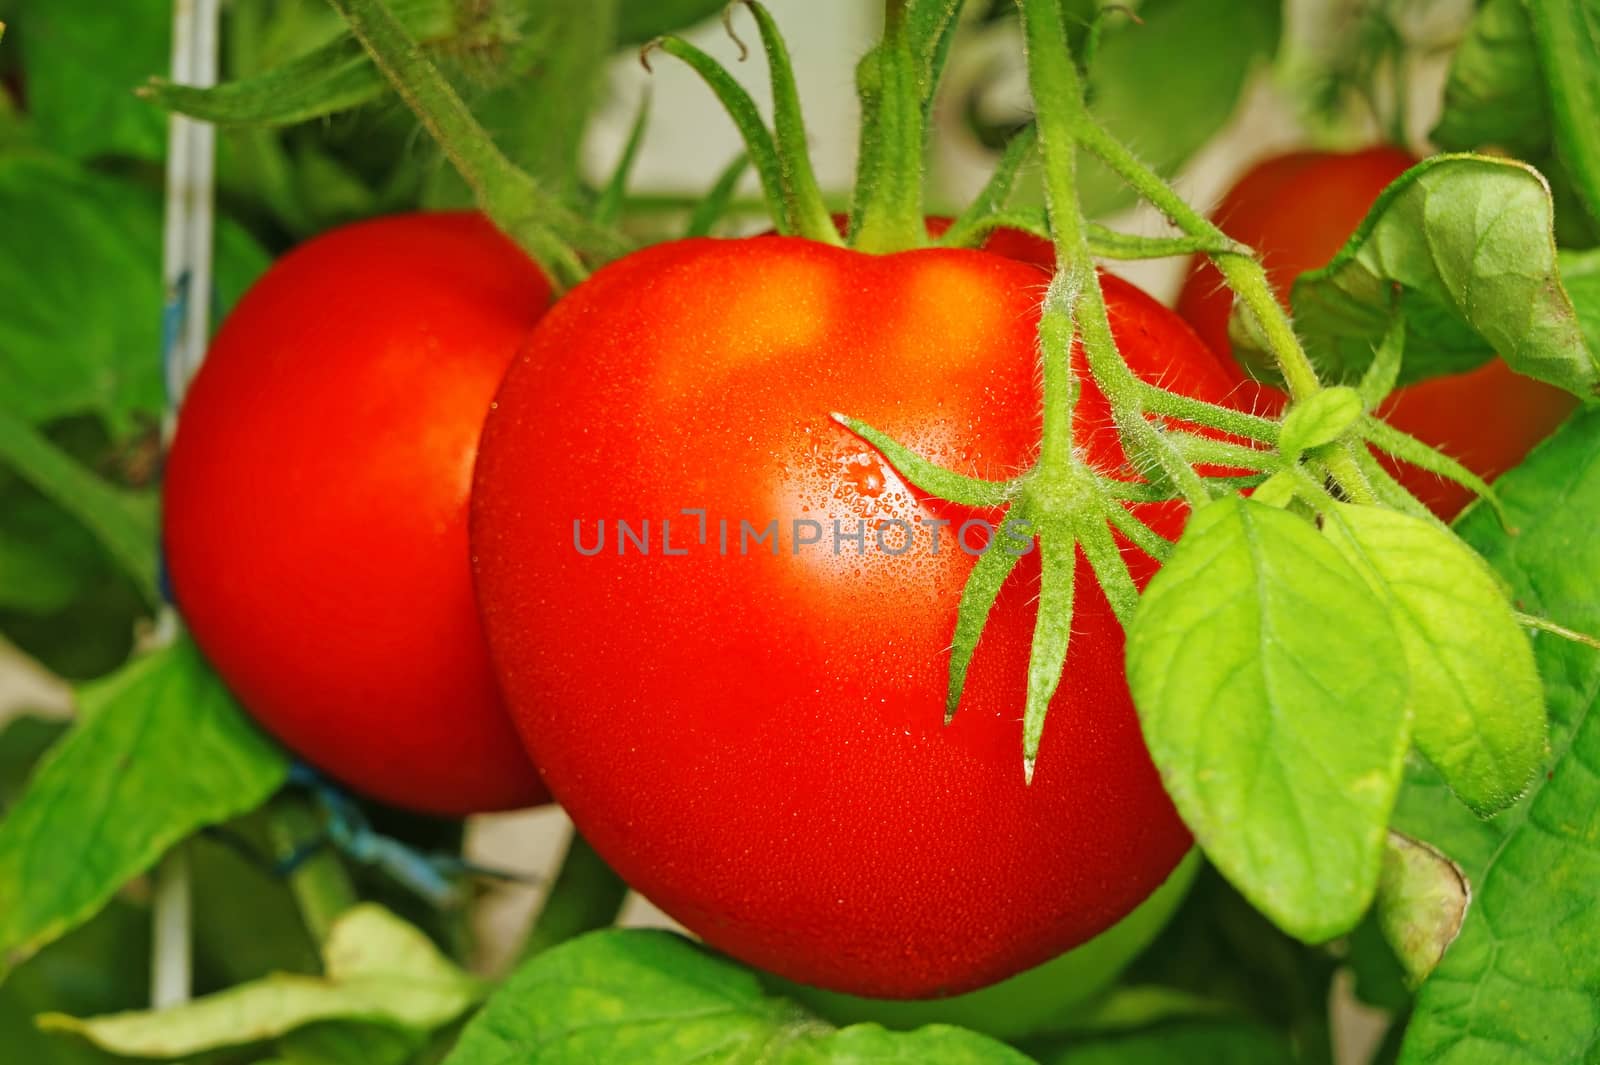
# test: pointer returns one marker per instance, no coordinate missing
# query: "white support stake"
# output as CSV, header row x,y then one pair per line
x,y
186,269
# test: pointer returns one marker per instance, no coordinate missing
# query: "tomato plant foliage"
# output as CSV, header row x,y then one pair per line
x,y
1233,625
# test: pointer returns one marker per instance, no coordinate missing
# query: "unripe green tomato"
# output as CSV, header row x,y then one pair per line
x,y
1036,1001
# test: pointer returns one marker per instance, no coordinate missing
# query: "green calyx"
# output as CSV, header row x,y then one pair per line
x,y
1317,456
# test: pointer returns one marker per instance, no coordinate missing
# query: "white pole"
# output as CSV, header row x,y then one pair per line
x,y
186,269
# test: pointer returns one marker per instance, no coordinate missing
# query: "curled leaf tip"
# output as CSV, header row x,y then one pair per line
x,y
727,26
644,52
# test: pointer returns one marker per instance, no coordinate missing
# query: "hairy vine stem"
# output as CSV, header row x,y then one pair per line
x,y
552,233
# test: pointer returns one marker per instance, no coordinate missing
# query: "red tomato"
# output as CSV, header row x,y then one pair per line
x,y
1297,210
755,739
316,505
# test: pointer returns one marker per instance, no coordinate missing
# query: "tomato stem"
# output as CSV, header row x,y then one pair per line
x,y
741,108
802,195
1158,400
552,233
321,887
984,213
587,895
1058,96
1409,449
1205,450
894,81
1242,270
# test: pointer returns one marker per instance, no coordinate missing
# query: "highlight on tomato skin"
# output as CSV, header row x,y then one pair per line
x,y
1297,210
755,739
316,505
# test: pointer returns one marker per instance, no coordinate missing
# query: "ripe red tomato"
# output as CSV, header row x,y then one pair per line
x,y
316,505
754,739
1297,210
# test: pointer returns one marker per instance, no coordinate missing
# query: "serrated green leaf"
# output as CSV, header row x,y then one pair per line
x,y
654,998
81,294
377,968
1169,82
1477,705
1495,92
1567,33
1422,900
1466,242
161,750
84,59
1272,692
1519,984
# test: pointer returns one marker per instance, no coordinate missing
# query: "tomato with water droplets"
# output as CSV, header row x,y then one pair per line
x,y
723,625
316,505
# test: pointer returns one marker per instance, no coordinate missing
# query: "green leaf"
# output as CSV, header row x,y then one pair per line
x,y
1222,949
1495,93
1168,83
124,522
160,751
349,1043
1379,979
1219,1042
1519,983
23,740
1476,702
103,965
376,968
1580,276
639,21
1567,33
44,554
1322,419
1272,692
647,997
69,346
1466,242
1422,900
84,59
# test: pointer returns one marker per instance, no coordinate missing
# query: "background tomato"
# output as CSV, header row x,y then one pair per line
x,y
316,505
756,741
1297,211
